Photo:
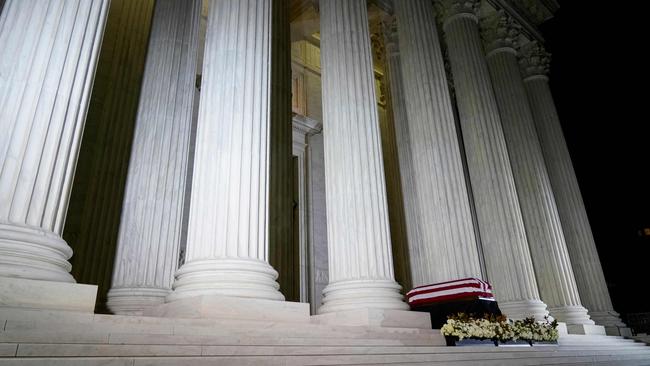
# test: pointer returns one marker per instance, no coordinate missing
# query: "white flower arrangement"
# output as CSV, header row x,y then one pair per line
x,y
499,328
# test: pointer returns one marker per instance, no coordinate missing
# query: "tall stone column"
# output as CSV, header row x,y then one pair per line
x,y
360,259
548,249
47,65
404,158
438,204
507,256
229,225
152,214
577,231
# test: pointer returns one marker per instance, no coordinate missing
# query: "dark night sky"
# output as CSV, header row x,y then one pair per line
x,y
596,73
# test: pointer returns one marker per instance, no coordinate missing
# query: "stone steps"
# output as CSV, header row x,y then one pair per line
x,y
643,338
128,338
458,358
59,338
140,350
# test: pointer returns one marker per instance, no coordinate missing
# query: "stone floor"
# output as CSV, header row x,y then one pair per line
x,y
64,338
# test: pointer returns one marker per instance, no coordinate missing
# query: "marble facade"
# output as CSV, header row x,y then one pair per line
x,y
338,153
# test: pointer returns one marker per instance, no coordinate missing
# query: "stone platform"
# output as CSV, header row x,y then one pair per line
x,y
56,338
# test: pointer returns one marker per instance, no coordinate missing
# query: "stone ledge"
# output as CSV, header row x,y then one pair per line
x,y
613,330
586,329
50,295
376,318
225,307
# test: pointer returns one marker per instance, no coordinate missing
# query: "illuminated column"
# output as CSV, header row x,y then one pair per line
x,y
442,241
47,65
575,224
507,256
229,224
548,249
150,227
359,247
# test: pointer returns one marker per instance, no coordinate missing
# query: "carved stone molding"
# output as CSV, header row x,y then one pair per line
x,y
534,60
448,10
500,30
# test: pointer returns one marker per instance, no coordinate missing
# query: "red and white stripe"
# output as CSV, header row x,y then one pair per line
x,y
450,290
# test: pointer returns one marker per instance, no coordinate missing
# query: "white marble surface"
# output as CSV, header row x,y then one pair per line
x,y
225,307
548,248
359,247
586,329
501,226
587,269
152,213
35,294
376,318
229,223
47,63
438,202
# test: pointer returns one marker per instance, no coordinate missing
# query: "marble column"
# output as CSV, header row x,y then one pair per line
x,y
507,256
228,231
446,247
47,65
359,247
573,216
548,248
151,223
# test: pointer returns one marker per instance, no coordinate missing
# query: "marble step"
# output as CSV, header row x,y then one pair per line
x,y
60,321
642,338
20,327
86,318
130,338
601,340
466,359
150,349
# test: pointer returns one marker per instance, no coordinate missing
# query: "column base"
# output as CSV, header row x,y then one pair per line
x,y
607,318
612,322
232,277
48,295
586,329
571,315
369,317
34,253
134,300
524,309
359,294
618,331
226,307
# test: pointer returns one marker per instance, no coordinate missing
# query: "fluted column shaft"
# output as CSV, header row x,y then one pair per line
x,y
228,231
446,248
507,256
47,65
409,198
150,227
541,219
359,247
587,269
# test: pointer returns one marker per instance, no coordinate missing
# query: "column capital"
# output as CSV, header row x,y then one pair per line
x,y
534,60
449,10
500,32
